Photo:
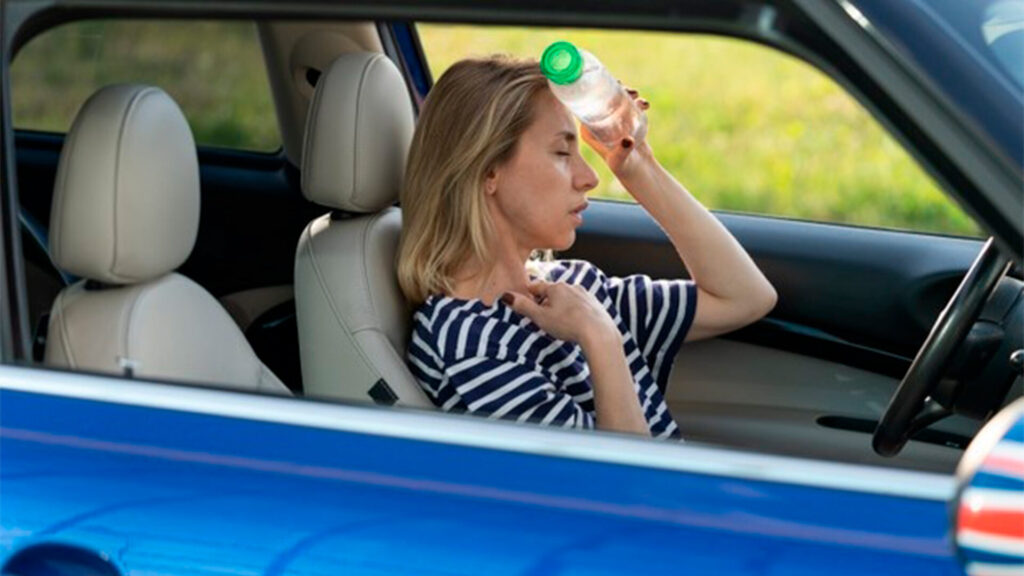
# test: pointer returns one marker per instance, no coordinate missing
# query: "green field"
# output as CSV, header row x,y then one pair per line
x,y
214,70
745,128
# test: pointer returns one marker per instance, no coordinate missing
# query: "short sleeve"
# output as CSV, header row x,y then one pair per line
x,y
511,391
658,313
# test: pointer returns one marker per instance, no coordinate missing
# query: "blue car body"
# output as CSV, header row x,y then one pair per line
x,y
156,489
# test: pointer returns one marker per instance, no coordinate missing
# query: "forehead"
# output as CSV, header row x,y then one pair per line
x,y
551,117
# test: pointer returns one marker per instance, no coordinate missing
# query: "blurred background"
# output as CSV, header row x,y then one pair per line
x,y
744,127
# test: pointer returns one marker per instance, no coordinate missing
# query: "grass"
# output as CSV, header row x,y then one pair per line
x,y
214,70
743,127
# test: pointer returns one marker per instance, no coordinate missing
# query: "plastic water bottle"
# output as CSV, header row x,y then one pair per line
x,y
592,94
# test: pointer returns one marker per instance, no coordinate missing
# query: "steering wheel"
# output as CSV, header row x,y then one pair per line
x,y
911,408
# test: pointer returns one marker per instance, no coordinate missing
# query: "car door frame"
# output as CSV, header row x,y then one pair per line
x,y
15,345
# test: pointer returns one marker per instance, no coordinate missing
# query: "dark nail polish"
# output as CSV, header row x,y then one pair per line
x,y
627,143
508,298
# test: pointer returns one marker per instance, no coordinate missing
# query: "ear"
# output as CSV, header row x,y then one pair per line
x,y
491,182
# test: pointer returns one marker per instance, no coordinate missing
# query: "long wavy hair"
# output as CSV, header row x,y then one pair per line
x,y
470,123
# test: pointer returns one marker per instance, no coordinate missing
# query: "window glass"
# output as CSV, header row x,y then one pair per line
x,y
744,127
214,70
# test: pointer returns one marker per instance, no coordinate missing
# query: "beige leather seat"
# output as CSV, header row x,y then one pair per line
x,y
353,321
125,215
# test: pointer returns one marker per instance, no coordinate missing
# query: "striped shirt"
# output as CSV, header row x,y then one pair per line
x,y
492,361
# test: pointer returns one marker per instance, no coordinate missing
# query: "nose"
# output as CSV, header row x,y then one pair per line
x,y
585,179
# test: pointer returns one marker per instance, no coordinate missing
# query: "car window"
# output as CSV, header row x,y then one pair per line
x,y
214,70
744,127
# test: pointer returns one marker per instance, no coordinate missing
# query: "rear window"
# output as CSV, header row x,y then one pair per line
x,y
214,70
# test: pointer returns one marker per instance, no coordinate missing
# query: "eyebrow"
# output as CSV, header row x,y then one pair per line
x,y
565,135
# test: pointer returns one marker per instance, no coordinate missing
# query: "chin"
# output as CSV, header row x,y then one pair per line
x,y
565,242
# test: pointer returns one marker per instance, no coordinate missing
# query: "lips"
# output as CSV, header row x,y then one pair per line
x,y
579,209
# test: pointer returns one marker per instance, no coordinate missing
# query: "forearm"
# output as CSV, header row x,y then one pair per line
x,y
616,403
715,259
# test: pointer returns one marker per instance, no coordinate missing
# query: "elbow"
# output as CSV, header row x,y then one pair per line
x,y
761,303
766,301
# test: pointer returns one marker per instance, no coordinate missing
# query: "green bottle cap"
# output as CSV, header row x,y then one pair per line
x,y
561,63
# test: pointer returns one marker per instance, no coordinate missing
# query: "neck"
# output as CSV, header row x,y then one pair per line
x,y
504,272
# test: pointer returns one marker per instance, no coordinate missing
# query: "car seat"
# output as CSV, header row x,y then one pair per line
x,y
353,319
125,215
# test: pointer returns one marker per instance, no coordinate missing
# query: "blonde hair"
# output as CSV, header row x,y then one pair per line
x,y
471,122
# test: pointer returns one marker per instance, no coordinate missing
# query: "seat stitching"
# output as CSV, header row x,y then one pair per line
x,y
128,339
307,143
355,132
330,301
132,103
366,258
69,146
65,336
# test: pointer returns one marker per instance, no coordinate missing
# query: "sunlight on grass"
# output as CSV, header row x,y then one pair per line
x,y
743,127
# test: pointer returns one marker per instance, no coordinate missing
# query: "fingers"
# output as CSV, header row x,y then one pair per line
x,y
633,93
641,102
521,304
539,290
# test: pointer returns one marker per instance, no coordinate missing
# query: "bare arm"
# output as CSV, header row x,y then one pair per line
x,y
616,403
731,291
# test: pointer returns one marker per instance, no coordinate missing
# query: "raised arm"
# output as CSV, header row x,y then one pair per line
x,y
731,290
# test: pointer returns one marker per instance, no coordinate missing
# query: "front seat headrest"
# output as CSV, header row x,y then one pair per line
x,y
126,197
358,132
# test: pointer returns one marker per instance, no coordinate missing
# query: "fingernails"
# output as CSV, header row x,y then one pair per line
x,y
627,143
508,298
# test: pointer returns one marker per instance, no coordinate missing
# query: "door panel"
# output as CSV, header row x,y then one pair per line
x,y
871,288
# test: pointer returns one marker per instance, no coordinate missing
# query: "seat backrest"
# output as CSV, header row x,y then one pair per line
x,y
353,320
125,215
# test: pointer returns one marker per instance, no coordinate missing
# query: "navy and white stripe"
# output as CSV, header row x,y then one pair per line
x,y
491,361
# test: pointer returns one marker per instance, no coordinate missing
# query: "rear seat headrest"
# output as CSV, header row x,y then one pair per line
x,y
358,133
126,197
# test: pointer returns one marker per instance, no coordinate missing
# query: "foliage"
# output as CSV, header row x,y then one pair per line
x,y
743,127
214,70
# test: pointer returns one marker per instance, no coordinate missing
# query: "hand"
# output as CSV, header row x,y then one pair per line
x,y
621,159
566,311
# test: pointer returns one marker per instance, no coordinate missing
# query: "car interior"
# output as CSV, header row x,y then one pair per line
x,y
151,257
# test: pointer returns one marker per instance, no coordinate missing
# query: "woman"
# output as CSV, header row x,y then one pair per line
x,y
494,178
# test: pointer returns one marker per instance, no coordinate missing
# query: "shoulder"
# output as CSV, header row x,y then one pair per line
x,y
454,328
581,272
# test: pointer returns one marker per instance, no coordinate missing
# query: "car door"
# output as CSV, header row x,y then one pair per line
x,y
158,477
